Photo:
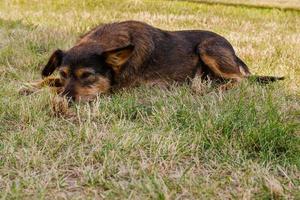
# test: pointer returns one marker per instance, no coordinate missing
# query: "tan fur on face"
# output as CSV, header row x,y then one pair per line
x,y
65,69
102,85
80,71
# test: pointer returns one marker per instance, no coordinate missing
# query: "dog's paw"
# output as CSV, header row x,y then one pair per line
x,y
60,107
27,90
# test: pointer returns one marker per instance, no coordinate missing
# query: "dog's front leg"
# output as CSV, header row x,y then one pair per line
x,y
32,87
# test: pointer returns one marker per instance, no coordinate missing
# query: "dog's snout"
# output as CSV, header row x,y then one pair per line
x,y
69,94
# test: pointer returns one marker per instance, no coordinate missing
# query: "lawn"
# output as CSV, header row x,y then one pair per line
x,y
149,143
280,4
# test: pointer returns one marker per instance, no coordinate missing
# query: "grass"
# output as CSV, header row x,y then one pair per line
x,y
147,142
277,4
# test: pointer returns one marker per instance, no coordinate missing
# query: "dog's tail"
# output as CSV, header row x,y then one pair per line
x,y
260,79
265,79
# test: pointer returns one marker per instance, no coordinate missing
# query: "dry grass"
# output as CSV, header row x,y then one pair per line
x,y
281,4
147,142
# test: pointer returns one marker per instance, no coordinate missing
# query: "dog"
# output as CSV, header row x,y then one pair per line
x,y
131,53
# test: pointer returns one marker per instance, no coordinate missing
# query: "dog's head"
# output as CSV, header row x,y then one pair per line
x,y
86,70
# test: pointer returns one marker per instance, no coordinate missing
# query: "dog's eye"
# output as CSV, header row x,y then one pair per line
x,y
86,75
63,74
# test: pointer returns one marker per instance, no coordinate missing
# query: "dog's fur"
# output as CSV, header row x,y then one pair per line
x,y
131,53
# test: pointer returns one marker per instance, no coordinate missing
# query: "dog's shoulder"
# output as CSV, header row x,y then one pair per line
x,y
121,34
118,34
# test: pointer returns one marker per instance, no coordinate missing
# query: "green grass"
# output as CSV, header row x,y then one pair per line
x,y
149,143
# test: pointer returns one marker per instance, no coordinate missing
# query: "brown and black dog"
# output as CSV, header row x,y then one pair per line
x,y
131,53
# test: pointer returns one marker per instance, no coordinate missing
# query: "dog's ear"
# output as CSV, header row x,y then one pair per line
x,y
53,63
118,57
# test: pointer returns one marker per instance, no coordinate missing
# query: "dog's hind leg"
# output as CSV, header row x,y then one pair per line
x,y
218,55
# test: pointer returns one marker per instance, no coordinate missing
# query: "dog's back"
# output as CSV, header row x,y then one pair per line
x,y
167,55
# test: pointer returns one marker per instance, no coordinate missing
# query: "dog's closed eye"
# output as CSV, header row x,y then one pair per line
x,y
86,75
